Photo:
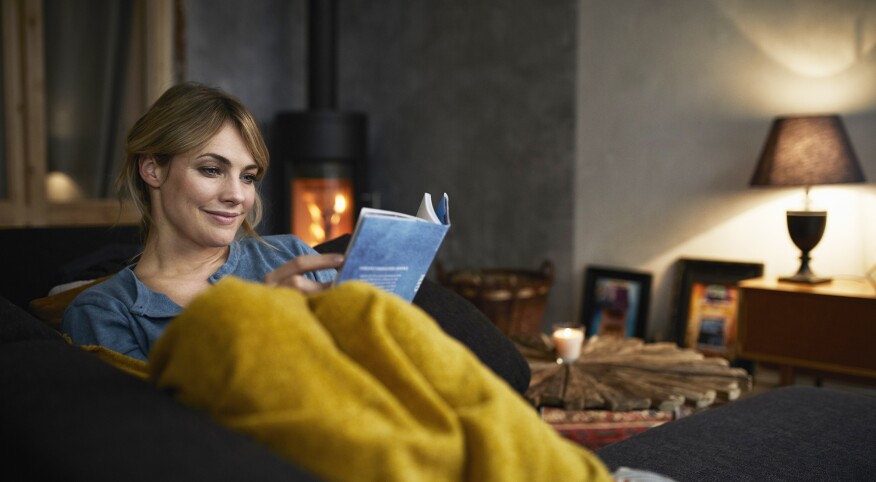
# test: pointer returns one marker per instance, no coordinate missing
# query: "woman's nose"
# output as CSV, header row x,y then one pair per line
x,y
232,192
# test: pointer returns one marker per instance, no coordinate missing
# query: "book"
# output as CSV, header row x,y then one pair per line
x,y
394,251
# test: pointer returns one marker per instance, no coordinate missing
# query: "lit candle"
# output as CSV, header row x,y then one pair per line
x,y
568,342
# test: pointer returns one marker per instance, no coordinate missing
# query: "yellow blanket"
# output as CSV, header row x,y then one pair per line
x,y
356,384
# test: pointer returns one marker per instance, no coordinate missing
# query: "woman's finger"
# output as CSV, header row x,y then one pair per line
x,y
301,265
303,284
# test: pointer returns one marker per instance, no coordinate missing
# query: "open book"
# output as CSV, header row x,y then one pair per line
x,y
394,251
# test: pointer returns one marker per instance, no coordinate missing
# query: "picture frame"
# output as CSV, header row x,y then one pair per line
x,y
616,301
706,303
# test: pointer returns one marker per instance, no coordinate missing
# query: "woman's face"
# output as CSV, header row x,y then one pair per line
x,y
207,193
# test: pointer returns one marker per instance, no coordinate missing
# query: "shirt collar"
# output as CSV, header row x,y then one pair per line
x,y
230,264
150,303
158,305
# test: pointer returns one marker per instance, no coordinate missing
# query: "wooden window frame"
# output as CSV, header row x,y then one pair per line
x,y
26,203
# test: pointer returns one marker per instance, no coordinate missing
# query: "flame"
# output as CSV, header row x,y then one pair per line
x,y
340,203
320,209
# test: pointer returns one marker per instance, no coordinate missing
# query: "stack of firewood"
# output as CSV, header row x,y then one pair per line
x,y
628,374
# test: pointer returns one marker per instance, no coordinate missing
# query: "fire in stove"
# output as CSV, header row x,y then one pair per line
x,y
322,208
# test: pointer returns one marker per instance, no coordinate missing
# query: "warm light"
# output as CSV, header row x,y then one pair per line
x,y
816,55
313,209
320,208
568,341
811,38
60,187
340,203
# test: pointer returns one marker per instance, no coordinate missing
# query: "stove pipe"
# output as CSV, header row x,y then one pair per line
x,y
322,143
322,55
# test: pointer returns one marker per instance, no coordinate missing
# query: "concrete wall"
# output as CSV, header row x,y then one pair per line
x,y
476,99
473,98
583,131
675,102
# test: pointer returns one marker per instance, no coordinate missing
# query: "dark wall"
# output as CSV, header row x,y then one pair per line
x,y
472,98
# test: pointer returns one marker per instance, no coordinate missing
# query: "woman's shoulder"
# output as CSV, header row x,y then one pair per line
x,y
120,287
108,298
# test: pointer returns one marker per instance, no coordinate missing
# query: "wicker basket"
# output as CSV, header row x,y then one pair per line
x,y
513,299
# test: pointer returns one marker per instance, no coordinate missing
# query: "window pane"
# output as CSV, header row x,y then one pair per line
x,y
88,49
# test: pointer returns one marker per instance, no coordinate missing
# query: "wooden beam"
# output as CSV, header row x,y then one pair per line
x,y
159,48
35,117
92,212
12,206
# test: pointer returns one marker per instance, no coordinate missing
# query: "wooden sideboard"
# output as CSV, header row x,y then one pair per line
x,y
828,328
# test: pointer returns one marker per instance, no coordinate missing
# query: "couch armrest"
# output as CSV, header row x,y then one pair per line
x,y
17,325
66,415
791,433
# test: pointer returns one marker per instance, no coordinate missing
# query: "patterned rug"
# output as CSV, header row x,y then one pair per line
x,y
594,429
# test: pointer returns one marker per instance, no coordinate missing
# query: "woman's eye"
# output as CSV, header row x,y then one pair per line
x,y
249,178
210,171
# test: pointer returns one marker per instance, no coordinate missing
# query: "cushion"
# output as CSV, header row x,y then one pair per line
x,y
17,324
36,259
66,415
50,309
790,433
129,365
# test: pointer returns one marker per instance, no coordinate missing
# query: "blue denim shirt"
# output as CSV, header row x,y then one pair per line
x,y
124,315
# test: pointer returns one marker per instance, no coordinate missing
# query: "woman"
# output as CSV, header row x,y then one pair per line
x,y
192,166
420,404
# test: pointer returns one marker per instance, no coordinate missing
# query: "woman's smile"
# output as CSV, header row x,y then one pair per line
x,y
222,217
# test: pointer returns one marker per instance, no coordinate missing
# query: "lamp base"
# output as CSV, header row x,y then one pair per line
x,y
806,229
809,279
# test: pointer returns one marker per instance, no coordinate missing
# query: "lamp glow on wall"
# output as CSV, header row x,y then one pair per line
x,y
807,151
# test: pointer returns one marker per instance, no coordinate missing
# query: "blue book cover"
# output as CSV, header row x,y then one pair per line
x,y
394,251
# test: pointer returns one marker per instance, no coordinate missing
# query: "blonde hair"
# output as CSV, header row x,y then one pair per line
x,y
184,118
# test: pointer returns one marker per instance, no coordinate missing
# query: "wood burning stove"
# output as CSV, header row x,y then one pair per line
x,y
323,150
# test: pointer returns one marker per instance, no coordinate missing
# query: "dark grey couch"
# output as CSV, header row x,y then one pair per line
x,y
792,433
66,415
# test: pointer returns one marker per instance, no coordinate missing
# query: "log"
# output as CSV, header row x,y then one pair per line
x,y
629,374
581,391
662,398
548,391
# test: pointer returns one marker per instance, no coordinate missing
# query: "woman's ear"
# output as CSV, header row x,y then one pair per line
x,y
150,171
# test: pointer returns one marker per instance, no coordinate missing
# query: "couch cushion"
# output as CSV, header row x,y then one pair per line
x,y
793,433
50,309
460,319
39,258
66,415
17,324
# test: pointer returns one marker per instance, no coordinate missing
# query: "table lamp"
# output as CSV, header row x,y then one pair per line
x,y
805,151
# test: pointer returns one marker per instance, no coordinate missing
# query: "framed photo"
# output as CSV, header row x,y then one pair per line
x,y
616,302
707,302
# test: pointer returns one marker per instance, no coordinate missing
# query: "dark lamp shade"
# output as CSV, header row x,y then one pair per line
x,y
805,151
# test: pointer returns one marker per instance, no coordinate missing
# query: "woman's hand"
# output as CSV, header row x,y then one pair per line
x,y
292,273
